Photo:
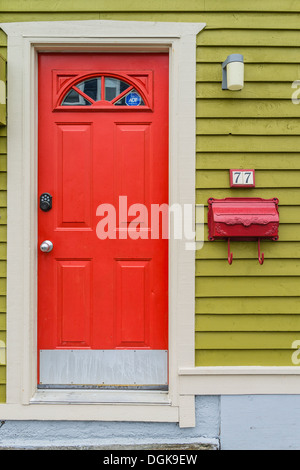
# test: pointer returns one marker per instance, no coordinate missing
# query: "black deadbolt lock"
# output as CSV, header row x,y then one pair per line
x,y
45,202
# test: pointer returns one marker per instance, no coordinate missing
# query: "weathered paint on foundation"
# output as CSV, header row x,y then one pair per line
x,y
45,434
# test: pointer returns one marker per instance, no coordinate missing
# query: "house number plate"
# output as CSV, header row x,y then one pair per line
x,y
242,178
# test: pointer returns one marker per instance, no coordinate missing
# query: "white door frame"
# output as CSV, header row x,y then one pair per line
x,y
25,41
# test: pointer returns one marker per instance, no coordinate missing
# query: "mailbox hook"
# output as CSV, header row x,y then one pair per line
x,y
261,256
230,256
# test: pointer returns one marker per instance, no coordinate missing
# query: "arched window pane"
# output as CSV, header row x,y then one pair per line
x,y
114,87
75,99
92,88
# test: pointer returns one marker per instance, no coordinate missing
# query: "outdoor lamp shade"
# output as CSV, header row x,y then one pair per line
x,y
233,72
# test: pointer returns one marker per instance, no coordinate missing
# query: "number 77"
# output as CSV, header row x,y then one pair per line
x,y
240,178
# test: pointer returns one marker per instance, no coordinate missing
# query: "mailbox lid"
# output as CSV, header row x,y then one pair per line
x,y
243,218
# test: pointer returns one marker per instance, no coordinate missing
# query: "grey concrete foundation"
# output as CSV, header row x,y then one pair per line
x,y
110,435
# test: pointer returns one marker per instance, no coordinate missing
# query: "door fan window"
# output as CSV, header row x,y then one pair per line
x,y
103,89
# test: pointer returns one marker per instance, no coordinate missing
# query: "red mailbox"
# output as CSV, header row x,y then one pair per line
x,y
243,219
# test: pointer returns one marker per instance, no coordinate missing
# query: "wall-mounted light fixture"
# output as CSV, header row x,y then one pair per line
x,y
233,72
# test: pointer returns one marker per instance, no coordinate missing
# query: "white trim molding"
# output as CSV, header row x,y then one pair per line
x,y
239,380
25,41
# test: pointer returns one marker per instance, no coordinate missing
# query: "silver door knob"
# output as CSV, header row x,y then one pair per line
x,y
46,246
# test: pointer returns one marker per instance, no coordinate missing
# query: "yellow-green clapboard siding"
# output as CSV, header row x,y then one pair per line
x,y
246,314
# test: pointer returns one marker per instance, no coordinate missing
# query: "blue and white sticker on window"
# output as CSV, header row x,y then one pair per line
x,y
133,99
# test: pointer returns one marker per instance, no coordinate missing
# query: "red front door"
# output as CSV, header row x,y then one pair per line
x,y
103,288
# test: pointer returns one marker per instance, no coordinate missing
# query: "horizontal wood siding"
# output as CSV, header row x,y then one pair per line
x,y
246,314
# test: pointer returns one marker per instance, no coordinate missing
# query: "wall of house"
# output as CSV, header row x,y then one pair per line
x,y
246,314
107,435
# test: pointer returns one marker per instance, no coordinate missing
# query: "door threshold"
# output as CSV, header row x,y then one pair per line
x,y
81,396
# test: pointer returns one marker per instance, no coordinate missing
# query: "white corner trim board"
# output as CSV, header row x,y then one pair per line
x,y
25,41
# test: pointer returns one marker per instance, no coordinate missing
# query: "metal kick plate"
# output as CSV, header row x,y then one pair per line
x,y
103,367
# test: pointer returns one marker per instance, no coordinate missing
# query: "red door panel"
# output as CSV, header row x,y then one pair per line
x,y
108,294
